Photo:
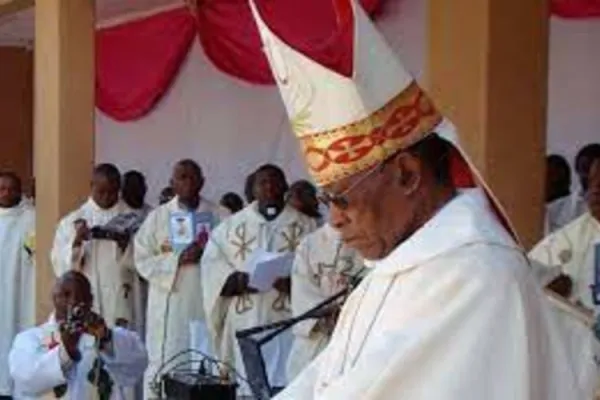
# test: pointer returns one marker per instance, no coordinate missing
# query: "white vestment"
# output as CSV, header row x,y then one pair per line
x,y
453,313
572,249
175,294
139,290
565,210
106,266
17,296
35,364
230,246
558,214
322,268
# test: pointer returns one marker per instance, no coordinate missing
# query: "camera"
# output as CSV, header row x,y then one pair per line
x,y
79,318
100,233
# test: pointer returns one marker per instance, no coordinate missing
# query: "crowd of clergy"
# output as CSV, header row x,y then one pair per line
x,y
144,282
145,286
443,303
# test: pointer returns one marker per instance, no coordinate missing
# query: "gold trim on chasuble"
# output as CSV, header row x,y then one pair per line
x,y
242,242
342,152
292,237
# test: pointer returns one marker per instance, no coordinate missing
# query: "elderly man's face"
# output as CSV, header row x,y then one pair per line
x,y
376,215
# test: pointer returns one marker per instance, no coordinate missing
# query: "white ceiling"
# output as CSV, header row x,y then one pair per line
x,y
18,28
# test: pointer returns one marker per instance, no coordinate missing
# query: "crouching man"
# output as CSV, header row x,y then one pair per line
x,y
74,354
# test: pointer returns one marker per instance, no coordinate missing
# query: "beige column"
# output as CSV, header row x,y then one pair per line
x,y
487,69
64,122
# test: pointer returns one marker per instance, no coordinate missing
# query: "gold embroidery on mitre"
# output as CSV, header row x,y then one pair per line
x,y
342,152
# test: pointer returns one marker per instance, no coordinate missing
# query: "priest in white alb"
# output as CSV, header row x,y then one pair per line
x,y
450,309
172,269
231,304
103,260
75,355
323,267
575,248
17,246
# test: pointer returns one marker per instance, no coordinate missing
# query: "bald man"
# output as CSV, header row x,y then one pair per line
x,y
173,272
59,355
104,261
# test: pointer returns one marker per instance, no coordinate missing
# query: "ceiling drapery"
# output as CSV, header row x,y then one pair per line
x,y
576,9
137,62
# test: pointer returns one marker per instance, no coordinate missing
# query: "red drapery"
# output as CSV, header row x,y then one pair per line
x,y
576,9
137,62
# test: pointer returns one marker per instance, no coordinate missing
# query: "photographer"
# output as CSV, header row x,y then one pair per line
x,y
82,243
75,353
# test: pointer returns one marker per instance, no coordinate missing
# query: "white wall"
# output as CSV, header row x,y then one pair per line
x,y
574,85
231,127
228,126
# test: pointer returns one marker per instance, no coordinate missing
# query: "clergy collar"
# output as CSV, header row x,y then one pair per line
x,y
287,215
466,219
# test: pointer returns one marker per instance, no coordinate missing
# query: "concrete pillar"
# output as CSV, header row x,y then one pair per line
x,y
64,122
488,71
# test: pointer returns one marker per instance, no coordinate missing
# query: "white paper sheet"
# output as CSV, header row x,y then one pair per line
x,y
265,267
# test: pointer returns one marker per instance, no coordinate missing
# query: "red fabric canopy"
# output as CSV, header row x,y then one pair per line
x,y
576,9
136,62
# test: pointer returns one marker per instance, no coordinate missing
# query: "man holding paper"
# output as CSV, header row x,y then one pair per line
x,y
167,250
236,252
323,267
81,245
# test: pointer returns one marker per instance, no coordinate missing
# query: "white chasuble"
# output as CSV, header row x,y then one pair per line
x,y
322,268
453,313
175,293
17,295
106,266
231,244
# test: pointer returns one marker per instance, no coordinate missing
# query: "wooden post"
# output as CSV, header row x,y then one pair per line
x,y
488,71
64,122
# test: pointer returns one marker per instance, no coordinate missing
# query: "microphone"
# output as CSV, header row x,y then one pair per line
x,y
250,347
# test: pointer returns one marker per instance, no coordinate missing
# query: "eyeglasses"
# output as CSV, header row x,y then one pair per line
x,y
340,200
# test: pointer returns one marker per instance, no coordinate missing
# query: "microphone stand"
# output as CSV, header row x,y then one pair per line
x,y
250,346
